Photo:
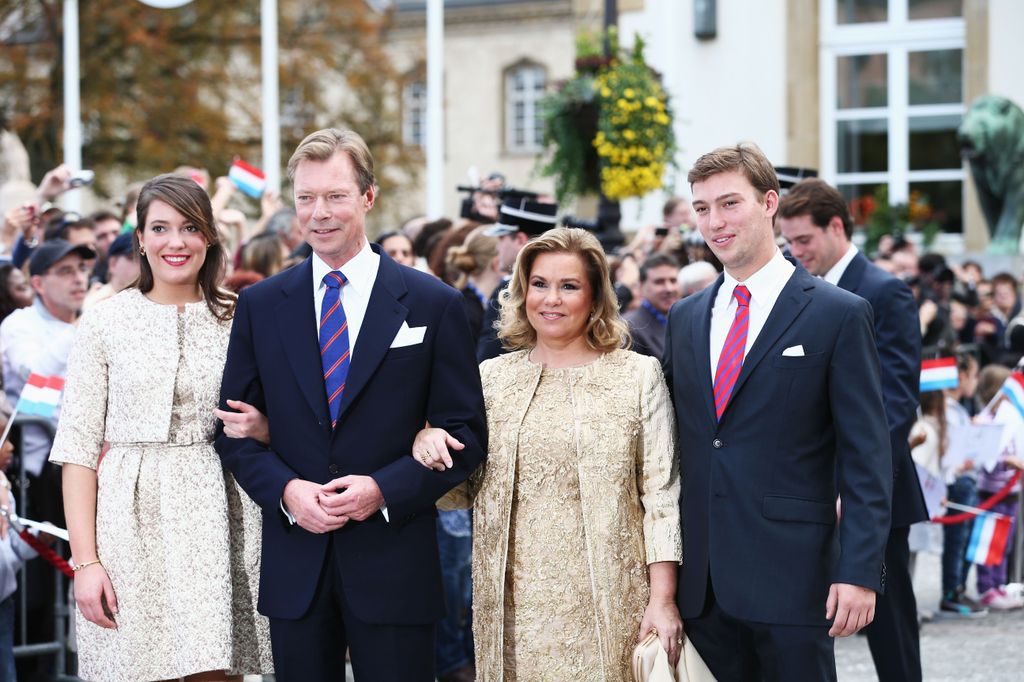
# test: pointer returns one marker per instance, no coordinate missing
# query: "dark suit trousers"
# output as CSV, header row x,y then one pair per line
x,y
743,651
312,648
893,635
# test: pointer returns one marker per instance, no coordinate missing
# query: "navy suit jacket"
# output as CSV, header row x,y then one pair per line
x,y
898,339
390,571
760,486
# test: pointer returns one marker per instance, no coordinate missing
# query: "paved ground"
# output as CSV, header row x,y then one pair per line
x,y
989,649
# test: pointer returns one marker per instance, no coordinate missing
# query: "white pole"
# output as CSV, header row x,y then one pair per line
x,y
435,111
271,99
72,102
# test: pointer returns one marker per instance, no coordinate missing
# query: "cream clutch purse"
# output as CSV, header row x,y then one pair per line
x,y
650,663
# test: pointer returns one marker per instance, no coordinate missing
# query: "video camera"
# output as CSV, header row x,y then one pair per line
x,y
470,204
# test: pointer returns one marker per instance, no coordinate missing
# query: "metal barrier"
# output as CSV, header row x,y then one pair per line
x,y
61,611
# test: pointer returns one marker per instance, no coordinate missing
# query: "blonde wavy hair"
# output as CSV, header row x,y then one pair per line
x,y
606,330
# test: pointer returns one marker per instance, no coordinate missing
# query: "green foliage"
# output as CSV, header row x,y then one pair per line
x,y
896,220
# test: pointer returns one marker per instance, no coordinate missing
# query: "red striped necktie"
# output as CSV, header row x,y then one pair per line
x,y
731,360
334,349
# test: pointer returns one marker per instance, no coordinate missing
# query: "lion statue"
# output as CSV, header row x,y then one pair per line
x,y
991,137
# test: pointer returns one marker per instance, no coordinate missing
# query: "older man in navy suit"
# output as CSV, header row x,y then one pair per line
x,y
349,354
815,220
778,401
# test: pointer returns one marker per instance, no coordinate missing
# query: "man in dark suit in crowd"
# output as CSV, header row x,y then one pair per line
x,y
519,221
659,286
778,401
349,355
815,220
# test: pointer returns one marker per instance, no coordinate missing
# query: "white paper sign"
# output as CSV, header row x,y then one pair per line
x,y
979,443
934,490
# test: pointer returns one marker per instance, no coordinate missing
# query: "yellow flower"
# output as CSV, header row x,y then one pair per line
x,y
651,101
605,91
628,92
628,134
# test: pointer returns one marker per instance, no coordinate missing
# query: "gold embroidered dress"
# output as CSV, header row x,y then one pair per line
x,y
177,536
580,491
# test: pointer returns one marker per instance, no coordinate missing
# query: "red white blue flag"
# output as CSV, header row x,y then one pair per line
x,y
40,396
248,178
988,539
1013,389
938,374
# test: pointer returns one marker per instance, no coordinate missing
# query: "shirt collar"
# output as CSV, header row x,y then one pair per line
x,y
360,270
765,284
835,273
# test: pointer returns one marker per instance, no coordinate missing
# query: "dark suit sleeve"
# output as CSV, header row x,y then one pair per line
x,y
862,446
259,470
455,403
899,352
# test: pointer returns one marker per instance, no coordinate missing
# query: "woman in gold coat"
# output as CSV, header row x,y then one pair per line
x,y
576,515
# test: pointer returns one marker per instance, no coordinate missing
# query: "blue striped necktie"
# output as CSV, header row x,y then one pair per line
x,y
334,349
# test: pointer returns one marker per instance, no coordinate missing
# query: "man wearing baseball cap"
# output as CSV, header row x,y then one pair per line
x,y
519,221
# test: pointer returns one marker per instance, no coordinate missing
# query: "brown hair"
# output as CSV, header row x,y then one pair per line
x,y
933,404
819,200
745,157
670,205
472,256
191,201
990,380
606,331
323,144
263,254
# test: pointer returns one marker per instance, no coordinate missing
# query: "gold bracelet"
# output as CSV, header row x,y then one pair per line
x,y
79,567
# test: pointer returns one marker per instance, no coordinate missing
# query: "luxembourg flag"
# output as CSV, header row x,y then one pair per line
x,y
248,178
988,539
1013,389
938,374
40,396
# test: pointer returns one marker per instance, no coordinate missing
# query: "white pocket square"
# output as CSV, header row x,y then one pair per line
x,y
793,352
408,336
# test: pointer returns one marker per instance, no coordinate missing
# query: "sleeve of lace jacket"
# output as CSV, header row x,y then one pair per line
x,y
657,467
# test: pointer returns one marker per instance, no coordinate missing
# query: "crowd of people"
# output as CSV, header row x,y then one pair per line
x,y
249,490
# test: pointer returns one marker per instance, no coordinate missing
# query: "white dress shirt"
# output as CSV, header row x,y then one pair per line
x,y
765,285
835,273
361,273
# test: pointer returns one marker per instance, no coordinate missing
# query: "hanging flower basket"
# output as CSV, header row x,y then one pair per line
x,y
609,129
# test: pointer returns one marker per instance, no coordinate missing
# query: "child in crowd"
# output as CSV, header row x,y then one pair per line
x,y
13,553
992,579
962,489
928,442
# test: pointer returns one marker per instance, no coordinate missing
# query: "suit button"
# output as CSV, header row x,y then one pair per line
x,y
717,444
333,469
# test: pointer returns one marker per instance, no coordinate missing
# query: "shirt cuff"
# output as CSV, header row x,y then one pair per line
x,y
287,514
384,511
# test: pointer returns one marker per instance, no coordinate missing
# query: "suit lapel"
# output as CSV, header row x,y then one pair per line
x,y
384,316
854,273
296,320
787,308
702,346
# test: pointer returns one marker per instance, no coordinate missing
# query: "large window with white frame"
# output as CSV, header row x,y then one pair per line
x,y
892,97
524,87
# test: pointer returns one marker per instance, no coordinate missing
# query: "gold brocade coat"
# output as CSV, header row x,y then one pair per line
x,y
629,493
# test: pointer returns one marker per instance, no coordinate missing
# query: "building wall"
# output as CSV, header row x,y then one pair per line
x,y
477,51
1006,49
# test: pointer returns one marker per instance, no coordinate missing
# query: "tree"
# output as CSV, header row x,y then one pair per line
x,y
162,88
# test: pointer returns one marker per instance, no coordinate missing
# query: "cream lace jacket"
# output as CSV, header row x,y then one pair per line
x,y
629,491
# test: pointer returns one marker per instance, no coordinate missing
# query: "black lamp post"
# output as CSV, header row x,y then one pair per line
x,y
609,215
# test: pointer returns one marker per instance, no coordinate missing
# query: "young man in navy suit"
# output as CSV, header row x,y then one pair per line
x,y
815,220
778,401
349,355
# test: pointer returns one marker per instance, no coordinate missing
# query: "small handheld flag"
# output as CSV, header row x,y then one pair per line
x,y
938,374
40,396
248,178
1013,389
988,539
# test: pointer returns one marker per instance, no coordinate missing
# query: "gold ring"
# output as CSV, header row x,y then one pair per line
x,y
679,641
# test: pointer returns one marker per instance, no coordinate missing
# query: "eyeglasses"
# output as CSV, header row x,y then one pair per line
x,y
69,271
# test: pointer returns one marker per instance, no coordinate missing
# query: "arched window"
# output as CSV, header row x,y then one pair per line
x,y
524,87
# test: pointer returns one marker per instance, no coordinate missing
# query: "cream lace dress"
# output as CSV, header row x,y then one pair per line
x,y
177,536
579,493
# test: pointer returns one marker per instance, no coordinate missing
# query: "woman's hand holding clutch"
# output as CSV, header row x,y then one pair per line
x,y
94,594
245,422
430,448
663,617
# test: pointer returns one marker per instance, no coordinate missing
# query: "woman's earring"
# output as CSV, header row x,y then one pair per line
x,y
142,250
